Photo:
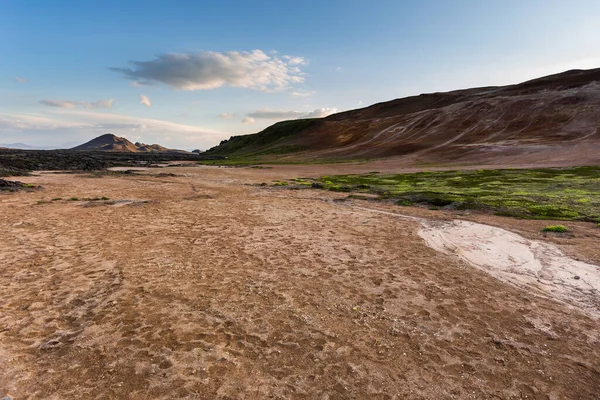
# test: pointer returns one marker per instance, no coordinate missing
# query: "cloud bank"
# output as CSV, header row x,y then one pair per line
x,y
75,104
210,70
77,126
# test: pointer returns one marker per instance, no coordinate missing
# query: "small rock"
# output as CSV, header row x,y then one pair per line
x,y
51,344
576,277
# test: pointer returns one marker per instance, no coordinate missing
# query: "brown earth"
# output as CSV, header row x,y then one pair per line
x,y
555,118
205,285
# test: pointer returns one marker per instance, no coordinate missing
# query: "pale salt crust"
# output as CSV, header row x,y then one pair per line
x,y
528,264
537,267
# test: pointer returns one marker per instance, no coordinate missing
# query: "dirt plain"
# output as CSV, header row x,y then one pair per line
x,y
207,285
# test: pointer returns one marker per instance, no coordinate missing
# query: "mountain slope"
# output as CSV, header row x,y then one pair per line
x,y
110,142
555,116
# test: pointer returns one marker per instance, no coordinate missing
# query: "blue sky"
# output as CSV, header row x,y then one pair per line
x,y
187,74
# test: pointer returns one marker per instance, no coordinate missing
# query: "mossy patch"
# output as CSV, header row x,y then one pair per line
x,y
556,228
542,193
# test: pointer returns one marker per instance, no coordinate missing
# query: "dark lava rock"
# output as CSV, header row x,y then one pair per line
x,y
12,186
20,162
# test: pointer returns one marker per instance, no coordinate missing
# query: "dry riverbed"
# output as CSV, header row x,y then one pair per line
x,y
203,284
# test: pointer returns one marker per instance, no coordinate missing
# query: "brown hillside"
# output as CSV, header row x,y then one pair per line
x,y
108,142
150,148
555,117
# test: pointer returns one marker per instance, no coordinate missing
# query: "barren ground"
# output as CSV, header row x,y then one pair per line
x,y
206,286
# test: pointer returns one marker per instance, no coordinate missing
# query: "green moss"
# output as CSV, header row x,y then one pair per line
x,y
555,228
543,193
284,149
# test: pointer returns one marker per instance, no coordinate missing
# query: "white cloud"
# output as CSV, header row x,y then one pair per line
x,y
274,114
102,104
145,100
321,113
210,70
18,122
295,60
303,93
20,80
75,104
226,115
281,115
70,118
248,120
59,103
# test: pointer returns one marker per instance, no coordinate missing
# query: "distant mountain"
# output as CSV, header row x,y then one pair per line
x,y
151,148
21,146
554,118
110,142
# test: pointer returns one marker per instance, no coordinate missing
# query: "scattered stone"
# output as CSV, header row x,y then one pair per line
x,y
50,344
13,186
21,162
576,277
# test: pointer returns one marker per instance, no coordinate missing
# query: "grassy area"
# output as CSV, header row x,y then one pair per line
x,y
255,160
271,140
555,228
560,194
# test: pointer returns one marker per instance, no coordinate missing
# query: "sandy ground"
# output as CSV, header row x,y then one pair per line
x,y
206,285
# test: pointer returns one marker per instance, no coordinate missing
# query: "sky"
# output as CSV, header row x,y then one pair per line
x,y
188,74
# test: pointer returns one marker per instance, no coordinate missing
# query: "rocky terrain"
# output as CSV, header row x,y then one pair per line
x,y
208,284
21,162
552,118
13,186
315,280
